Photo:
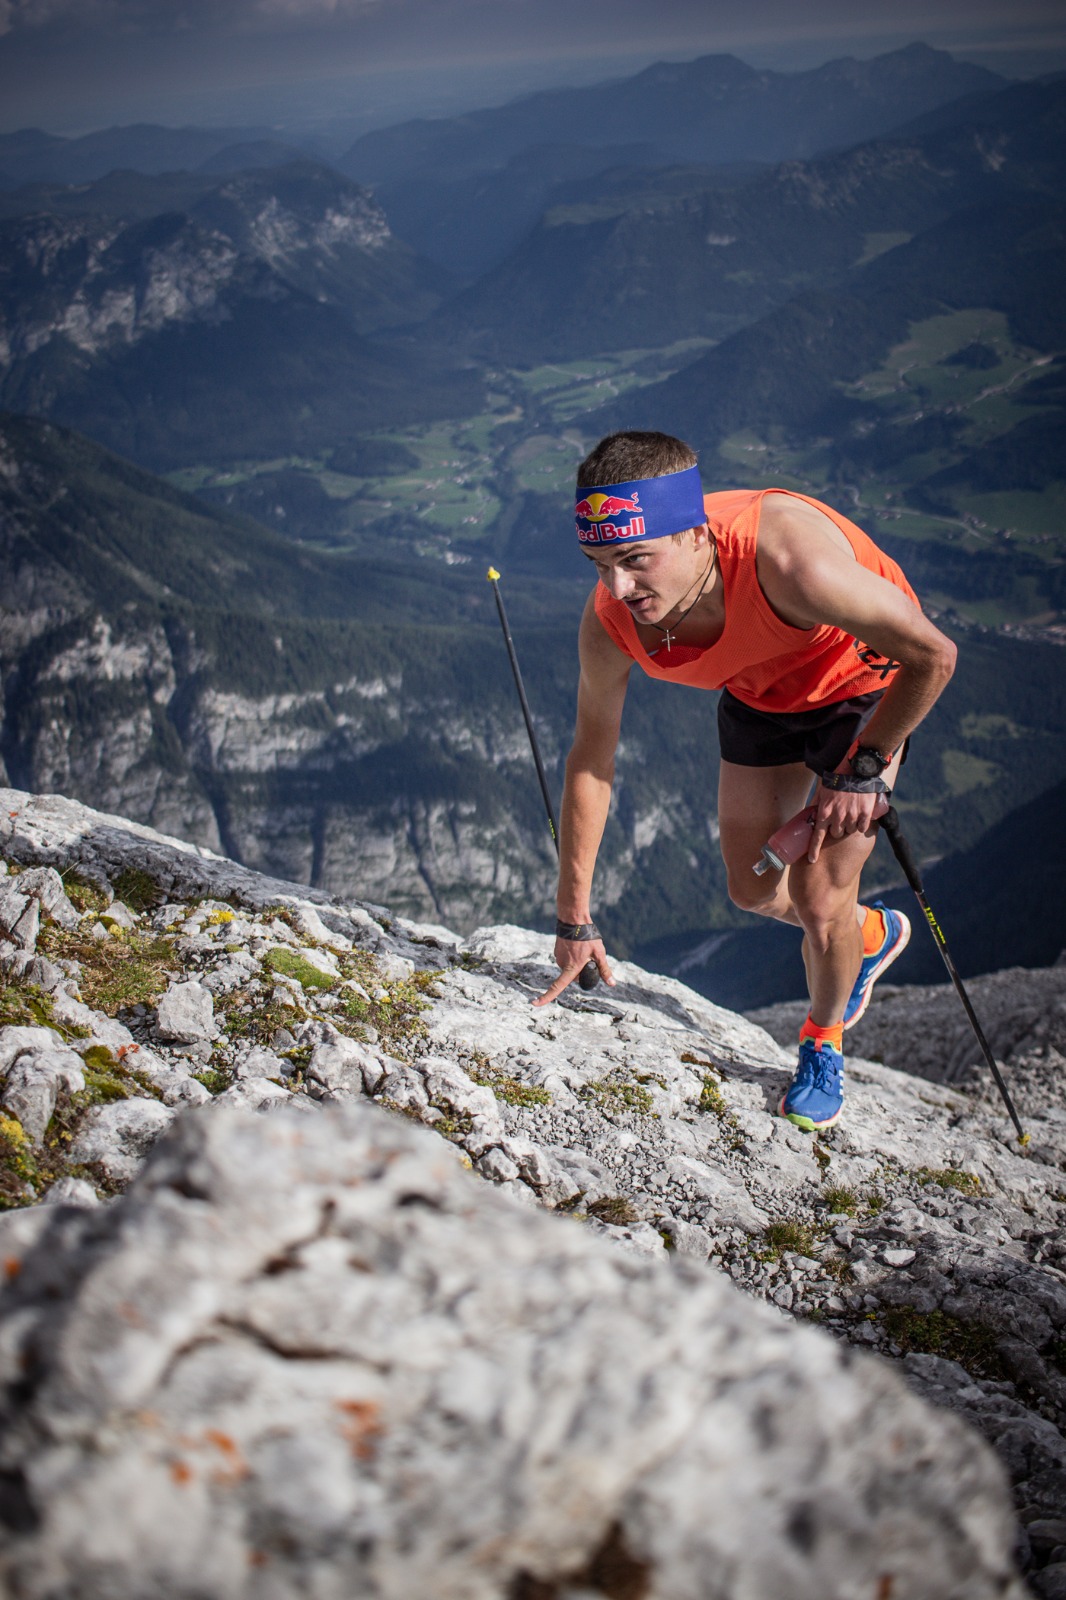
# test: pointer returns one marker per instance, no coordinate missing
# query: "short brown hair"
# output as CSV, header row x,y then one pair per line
x,y
622,457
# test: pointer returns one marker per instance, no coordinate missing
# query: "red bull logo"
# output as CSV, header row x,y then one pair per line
x,y
598,507
604,532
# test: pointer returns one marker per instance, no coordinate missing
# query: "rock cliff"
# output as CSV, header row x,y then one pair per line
x,y
150,986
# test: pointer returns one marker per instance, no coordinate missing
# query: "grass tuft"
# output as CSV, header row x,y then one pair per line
x,y
795,1236
972,1344
615,1209
118,972
618,1095
840,1200
137,890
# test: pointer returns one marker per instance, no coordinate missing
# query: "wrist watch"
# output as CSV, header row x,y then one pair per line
x,y
868,762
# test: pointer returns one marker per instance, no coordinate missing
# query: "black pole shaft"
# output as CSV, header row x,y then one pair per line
x,y
902,852
527,714
589,975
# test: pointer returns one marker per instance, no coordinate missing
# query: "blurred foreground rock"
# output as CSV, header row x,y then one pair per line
x,y
317,1358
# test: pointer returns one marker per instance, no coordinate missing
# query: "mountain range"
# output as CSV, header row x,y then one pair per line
x,y
223,314
639,261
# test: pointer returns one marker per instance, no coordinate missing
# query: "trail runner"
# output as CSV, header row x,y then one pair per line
x,y
826,664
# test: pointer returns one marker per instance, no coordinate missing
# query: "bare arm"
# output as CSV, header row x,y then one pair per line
x,y
809,574
587,792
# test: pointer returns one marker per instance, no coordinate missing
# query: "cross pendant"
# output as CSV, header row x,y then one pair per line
x,y
668,638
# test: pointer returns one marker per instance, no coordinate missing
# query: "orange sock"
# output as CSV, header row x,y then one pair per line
x,y
873,931
833,1034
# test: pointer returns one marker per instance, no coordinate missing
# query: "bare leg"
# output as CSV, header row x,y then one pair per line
x,y
821,899
753,802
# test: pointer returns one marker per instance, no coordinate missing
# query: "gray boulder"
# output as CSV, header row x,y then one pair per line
x,y
120,1135
313,1357
187,1014
32,1086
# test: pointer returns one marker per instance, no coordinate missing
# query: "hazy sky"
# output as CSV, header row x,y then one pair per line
x,y
69,65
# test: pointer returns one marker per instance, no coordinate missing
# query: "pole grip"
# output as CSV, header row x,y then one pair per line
x,y
901,849
589,976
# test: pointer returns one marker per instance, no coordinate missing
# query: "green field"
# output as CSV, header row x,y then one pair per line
x,y
941,397
529,442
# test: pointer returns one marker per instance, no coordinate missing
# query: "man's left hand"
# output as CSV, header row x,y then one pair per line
x,y
839,813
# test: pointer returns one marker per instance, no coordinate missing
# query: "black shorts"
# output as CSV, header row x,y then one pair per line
x,y
819,738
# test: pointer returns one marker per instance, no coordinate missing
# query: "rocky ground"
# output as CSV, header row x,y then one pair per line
x,y
143,976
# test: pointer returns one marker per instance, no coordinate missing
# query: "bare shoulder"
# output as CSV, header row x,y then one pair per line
x,y
793,532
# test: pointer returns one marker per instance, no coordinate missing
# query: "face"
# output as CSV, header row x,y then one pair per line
x,y
652,578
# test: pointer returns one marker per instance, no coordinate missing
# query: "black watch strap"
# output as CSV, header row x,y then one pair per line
x,y
577,932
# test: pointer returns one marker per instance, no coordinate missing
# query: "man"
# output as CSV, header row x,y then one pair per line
x,y
826,665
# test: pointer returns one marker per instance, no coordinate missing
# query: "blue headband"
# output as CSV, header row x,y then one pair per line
x,y
651,508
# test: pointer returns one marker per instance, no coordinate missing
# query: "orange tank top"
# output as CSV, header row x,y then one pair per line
x,y
763,661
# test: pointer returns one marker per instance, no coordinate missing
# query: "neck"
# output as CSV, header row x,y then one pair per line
x,y
681,610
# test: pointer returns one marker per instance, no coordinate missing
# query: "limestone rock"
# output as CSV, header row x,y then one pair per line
x,y
120,1135
32,1084
186,1014
315,1354
46,886
340,1063
18,1040
915,1228
72,1192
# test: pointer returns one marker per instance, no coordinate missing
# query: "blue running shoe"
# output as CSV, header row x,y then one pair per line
x,y
815,1096
897,933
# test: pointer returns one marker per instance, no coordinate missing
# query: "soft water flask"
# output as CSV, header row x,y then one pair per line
x,y
793,838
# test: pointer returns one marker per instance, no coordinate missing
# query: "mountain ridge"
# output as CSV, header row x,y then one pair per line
x,y
916,1229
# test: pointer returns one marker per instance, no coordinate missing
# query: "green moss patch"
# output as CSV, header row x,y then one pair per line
x,y
24,1005
83,895
216,1080
505,1087
290,964
614,1095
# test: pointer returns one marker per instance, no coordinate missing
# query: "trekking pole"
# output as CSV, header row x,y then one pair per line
x,y
902,852
589,976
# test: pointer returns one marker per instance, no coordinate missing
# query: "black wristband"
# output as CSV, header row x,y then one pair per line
x,y
577,932
844,783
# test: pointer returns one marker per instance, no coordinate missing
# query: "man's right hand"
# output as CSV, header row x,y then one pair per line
x,y
571,956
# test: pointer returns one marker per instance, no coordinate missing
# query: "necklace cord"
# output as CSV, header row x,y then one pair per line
x,y
669,634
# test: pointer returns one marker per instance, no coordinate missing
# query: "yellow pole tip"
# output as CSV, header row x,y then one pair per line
x,y
492,575
1023,1139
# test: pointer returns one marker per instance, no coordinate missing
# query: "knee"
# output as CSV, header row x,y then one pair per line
x,y
824,919
750,893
